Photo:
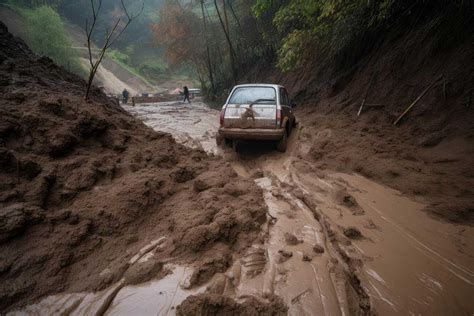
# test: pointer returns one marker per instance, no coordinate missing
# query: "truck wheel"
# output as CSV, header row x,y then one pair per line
x,y
235,145
282,143
219,139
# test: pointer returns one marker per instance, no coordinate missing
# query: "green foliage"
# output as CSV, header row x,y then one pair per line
x,y
153,68
261,6
33,3
46,36
118,56
288,55
326,25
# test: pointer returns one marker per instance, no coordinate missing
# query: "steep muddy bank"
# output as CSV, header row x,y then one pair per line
x,y
85,186
429,153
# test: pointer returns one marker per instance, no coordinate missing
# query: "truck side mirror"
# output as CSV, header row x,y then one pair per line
x,y
292,104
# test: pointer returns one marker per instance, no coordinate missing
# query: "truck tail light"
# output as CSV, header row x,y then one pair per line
x,y
221,119
278,118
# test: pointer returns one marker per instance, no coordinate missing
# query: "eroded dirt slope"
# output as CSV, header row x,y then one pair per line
x,y
429,153
84,186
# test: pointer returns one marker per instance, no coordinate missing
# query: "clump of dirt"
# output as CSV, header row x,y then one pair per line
x,y
318,249
350,202
84,186
352,233
284,255
291,239
213,304
210,265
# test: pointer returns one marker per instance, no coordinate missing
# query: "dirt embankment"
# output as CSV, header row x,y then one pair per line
x,y
84,186
429,154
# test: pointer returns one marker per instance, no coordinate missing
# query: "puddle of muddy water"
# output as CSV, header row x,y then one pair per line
x,y
410,262
158,297
194,125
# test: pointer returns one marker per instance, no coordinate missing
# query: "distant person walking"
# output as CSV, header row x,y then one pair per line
x,y
186,94
125,96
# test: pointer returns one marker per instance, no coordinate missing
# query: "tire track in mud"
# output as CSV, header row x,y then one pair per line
x,y
368,266
336,287
323,272
371,270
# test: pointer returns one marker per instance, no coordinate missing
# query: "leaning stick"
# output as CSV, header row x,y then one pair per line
x,y
366,94
416,101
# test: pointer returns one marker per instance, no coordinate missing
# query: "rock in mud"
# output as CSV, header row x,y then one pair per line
x,y
284,255
212,304
352,233
318,249
307,257
291,239
350,202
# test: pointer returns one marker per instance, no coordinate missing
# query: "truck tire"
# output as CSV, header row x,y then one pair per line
x,y
235,145
282,143
219,139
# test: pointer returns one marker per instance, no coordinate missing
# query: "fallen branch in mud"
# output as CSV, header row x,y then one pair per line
x,y
297,297
416,100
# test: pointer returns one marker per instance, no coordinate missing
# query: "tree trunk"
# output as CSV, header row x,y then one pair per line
x,y
229,42
208,54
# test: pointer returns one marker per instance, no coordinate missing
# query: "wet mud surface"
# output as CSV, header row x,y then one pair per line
x,y
332,243
93,201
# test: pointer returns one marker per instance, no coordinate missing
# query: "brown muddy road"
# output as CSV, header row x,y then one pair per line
x,y
403,262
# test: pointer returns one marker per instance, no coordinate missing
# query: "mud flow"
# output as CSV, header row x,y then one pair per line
x,y
332,244
193,125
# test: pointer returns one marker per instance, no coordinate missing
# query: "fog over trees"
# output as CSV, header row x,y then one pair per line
x,y
216,42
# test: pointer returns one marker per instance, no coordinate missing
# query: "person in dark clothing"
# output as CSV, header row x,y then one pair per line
x,y
125,95
186,94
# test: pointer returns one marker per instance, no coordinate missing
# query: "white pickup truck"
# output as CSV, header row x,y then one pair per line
x,y
259,112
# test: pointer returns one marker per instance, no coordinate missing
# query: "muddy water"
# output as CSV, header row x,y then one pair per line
x,y
407,262
411,263
306,281
159,297
404,263
193,125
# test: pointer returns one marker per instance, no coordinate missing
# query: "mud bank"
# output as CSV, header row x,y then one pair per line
x,y
85,187
429,154
340,243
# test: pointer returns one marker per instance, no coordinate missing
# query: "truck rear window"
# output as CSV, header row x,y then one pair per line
x,y
247,95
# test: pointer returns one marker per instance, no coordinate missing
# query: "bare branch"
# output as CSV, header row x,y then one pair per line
x,y
110,37
125,9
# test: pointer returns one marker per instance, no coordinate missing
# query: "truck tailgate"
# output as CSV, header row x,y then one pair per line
x,y
257,116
